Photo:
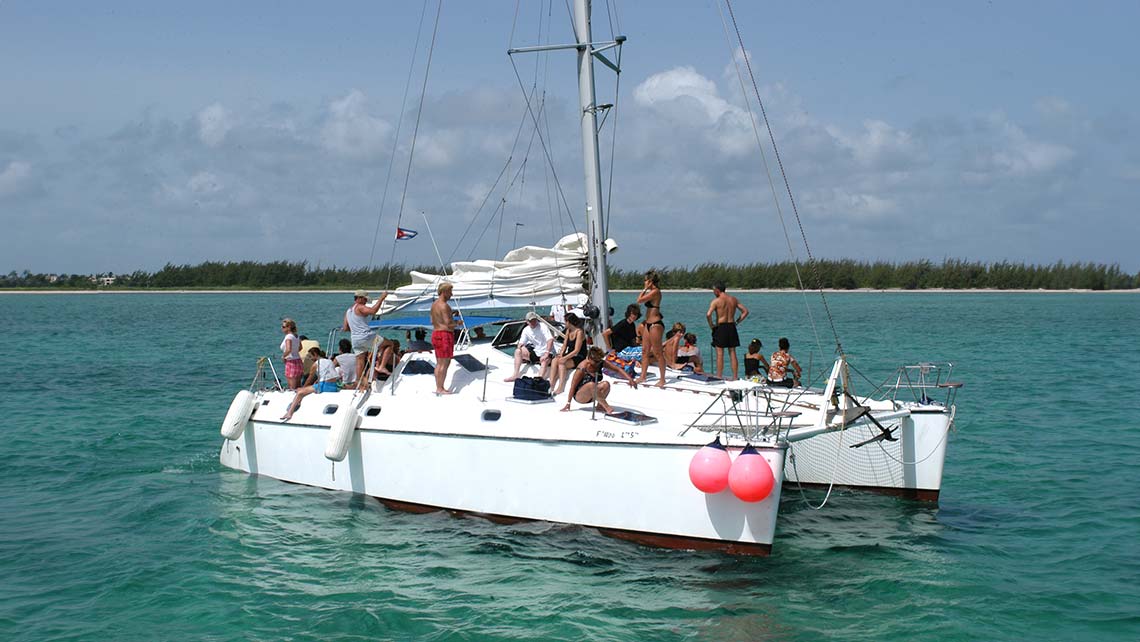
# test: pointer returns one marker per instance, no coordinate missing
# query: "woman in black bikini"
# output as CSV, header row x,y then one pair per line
x,y
588,385
573,352
753,360
651,345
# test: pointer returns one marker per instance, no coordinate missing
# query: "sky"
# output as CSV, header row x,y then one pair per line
x,y
136,134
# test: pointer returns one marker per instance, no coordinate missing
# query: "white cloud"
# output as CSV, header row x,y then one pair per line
x,y
204,183
879,144
16,178
679,83
214,122
1023,156
351,131
1053,106
1130,172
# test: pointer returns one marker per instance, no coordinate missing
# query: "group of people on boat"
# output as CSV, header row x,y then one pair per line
x,y
569,363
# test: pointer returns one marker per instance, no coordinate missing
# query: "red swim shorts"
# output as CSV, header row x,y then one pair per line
x,y
293,368
444,343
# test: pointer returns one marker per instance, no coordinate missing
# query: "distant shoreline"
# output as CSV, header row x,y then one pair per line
x,y
687,291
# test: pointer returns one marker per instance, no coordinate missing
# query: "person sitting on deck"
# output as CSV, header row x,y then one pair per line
x,y
688,354
753,359
306,361
534,346
673,340
323,378
778,371
419,344
588,387
623,334
388,355
573,352
346,363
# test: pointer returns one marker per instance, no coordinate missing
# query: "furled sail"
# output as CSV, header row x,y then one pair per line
x,y
526,277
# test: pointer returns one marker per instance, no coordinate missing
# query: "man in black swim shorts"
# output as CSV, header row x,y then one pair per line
x,y
723,321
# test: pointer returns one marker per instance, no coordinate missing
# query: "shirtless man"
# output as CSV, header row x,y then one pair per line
x,y
442,336
724,307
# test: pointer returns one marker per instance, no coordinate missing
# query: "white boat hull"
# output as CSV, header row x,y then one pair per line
x,y
909,467
631,483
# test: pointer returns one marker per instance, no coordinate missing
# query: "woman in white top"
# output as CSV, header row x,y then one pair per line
x,y
323,378
291,353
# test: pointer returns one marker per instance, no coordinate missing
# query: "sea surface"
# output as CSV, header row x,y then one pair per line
x,y
118,523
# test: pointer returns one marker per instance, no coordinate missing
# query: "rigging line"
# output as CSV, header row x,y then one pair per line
x,y
514,21
787,186
617,15
503,201
415,134
768,174
502,172
542,139
564,216
443,267
613,146
877,388
396,142
494,270
494,213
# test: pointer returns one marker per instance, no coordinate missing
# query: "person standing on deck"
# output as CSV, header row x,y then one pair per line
x,y
442,335
356,322
652,346
291,353
722,321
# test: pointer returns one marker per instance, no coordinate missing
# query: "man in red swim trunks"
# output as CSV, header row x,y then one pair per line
x,y
442,336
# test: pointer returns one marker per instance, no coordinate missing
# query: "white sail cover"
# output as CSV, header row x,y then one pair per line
x,y
526,277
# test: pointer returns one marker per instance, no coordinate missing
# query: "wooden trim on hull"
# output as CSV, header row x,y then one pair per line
x,y
656,540
920,494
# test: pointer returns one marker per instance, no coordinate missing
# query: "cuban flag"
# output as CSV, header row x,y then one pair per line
x,y
403,234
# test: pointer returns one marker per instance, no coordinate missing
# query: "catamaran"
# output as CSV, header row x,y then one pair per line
x,y
698,464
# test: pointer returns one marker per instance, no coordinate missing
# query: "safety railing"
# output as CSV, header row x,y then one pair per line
x,y
927,384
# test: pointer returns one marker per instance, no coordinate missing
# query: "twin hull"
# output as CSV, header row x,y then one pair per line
x,y
910,466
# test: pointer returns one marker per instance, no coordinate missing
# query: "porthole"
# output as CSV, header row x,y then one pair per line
x,y
492,415
331,409
372,411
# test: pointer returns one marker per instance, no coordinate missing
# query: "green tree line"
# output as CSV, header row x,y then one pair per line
x,y
845,274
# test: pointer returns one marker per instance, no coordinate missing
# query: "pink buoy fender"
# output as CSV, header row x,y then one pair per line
x,y
751,477
709,468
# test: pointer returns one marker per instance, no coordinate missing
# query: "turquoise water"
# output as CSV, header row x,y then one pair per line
x,y
117,522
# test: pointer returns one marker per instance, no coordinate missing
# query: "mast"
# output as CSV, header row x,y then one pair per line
x,y
595,236
595,226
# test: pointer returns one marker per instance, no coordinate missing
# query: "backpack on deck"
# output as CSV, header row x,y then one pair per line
x,y
532,388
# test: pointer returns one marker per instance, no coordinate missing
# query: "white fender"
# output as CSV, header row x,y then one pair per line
x,y
238,416
340,435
